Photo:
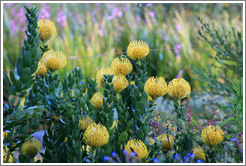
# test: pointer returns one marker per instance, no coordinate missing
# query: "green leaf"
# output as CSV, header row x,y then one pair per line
x,y
226,121
12,77
123,137
18,86
26,75
19,114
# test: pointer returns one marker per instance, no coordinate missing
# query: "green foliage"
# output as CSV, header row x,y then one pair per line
x,y
27,65
235,108
229,55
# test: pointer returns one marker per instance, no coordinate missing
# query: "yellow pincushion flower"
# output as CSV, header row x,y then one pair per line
x,y
46,29
199,152
179,88
137,146
85,122
121,65
5,152
120,83
53,60
42,70
31,148
155,87
137,50
97,100
100,75
167,142
96,135
212,135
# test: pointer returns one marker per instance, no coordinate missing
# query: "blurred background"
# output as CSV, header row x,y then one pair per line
x,y
84,30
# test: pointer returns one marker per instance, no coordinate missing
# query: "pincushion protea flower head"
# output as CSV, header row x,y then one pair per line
x,y
121,65
100,76
85,122
137,146
53,60
42,70
46,29
179,88
137,50
120,83
199,152
31,147
212,135
96,135
155,87
167,142
97,100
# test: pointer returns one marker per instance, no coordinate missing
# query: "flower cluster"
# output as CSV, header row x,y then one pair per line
x,y
155,87
199,152
46,29
179,88
212,135
137,50
31,147
167,142
97,100
53,60
85,122
121,66
96,135
138,147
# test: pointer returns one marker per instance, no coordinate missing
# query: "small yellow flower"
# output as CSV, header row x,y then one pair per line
x,y
155,87
137,50
97,100
151,141
167,142
42,70
199,152
31,148
121,65
46,29
53,60
179,88
149,98
114,125
96,135
120,83
5,152
85,122
100,76
212,135
137,146
132,82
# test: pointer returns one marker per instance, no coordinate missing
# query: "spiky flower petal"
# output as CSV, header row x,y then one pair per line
x,y
167,142
120,83
199,152
121,65
137,146
212,135
179,88
96,135
31,147
155,87
97,100
85,122
53,60
137,50
46,29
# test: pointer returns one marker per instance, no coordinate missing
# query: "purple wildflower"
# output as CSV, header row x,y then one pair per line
x,y
180,73
152,13
44,12
61,18
101,33
178,28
